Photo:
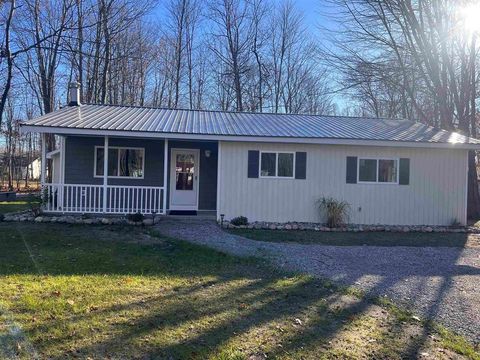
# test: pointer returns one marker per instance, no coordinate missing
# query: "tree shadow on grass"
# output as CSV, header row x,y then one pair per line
x,y
243,309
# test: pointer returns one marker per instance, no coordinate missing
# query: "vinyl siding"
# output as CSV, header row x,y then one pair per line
x,y
435,196
80,155
80,158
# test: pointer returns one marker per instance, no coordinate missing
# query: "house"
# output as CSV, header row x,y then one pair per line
x,y
33,170
35,167
268,167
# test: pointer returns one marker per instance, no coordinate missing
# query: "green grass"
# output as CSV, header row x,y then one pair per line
x,y
114,292
13,206
352,238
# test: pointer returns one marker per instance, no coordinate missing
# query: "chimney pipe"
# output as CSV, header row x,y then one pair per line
x,y
74,94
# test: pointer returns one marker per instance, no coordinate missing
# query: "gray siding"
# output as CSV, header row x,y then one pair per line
x,y
80,159
436,194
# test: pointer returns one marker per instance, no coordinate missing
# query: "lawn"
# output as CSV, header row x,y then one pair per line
x,y
13,206
366,238
72,291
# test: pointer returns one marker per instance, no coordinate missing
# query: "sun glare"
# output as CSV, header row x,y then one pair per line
x,y
471,17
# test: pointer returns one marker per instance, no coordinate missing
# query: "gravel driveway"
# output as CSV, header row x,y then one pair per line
x,y
441,283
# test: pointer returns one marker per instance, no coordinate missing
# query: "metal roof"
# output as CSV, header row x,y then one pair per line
x,y
218,123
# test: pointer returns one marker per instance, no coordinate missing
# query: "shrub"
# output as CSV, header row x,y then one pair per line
x,y
35,203
239,220
136,217
336,211
455,223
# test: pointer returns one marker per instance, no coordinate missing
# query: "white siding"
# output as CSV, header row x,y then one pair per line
x,y
436,194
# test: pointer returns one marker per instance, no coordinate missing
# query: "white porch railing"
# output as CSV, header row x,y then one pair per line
x,y
79,198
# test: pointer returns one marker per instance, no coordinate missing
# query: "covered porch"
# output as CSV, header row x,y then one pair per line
x,y
121,175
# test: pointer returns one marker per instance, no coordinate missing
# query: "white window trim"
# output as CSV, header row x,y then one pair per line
x,y
276,165
397,163
118,165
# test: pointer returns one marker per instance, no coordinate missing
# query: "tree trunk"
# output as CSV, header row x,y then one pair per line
x,y
8,55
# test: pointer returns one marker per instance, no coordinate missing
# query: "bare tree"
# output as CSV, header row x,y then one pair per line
x,y
418,57
231,39
6,55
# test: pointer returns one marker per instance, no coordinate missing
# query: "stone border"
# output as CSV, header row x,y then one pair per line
x,y
353,227
27,216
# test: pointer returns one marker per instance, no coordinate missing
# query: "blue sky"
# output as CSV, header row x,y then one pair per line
x,y
316,15
313,10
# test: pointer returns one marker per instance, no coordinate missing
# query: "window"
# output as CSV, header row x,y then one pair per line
x,y
184,171
367,170
378,171
122,162
274,164
268,165
285,165
387,171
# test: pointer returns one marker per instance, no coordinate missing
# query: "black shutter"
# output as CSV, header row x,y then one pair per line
x,y
253,163
300,165
351,169
404,178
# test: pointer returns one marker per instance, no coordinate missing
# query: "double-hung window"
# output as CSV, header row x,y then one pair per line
x,y
123,162
277,164
378,171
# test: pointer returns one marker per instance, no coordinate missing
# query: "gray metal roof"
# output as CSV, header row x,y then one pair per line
x,y
202,122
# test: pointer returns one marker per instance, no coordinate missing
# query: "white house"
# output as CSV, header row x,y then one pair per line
x,y
268,167
33,170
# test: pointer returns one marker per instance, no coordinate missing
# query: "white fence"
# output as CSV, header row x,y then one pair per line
x,y
79,198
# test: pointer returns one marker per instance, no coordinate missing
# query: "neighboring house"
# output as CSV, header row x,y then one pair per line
x,y
33,169
269,167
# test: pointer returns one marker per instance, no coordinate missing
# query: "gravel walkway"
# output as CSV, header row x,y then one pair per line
x,y
439,283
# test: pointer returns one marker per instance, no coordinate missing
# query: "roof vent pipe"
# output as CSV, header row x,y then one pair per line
x,y
74,94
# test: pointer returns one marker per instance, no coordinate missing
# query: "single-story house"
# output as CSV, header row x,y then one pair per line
x,y
33,170
35,167
267,167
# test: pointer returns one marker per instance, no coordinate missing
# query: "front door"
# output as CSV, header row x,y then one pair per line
x,y
184,172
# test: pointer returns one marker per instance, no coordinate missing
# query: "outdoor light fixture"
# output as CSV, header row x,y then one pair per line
x,y
221,221
208,153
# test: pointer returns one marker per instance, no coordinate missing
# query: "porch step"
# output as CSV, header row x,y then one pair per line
x,y
201,215
183,212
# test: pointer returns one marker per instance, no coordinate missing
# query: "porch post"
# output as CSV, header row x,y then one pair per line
x,y
62,173
44,159
105,173
165,177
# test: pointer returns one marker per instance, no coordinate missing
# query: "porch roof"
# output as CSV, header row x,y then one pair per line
x,y
202,124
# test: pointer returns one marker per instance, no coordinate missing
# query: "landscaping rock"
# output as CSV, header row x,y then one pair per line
x,y
357,227
106,221
148,222
38,219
